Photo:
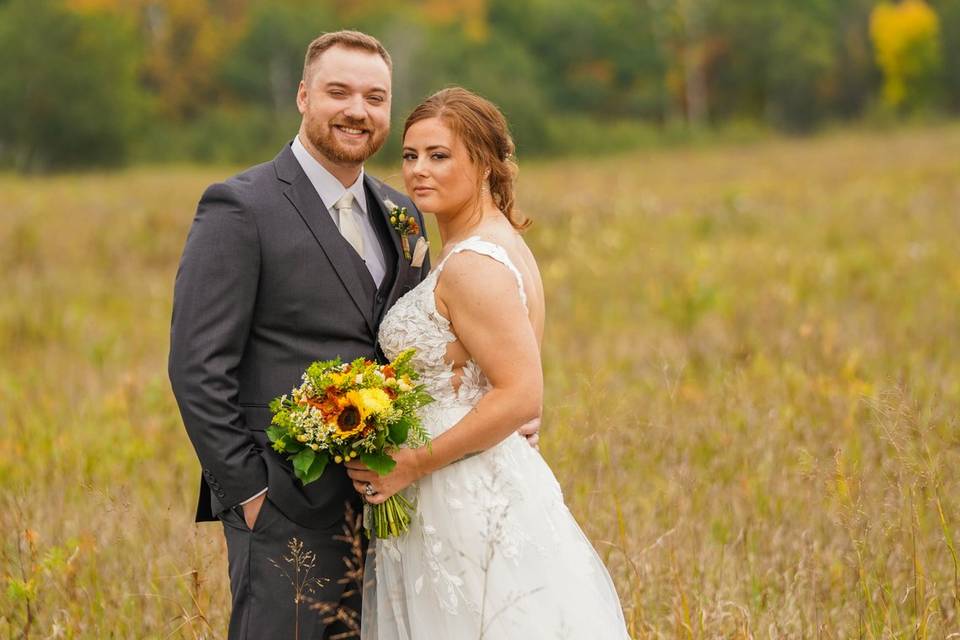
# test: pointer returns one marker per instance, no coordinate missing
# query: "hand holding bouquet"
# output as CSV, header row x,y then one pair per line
x,y
352,410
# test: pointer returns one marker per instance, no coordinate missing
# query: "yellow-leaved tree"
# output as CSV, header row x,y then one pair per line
x,y
906,41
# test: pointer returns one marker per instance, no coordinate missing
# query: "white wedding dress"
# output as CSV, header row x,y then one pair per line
x,y
492,552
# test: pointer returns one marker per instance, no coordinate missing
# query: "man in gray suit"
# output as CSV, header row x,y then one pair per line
x,y
288,262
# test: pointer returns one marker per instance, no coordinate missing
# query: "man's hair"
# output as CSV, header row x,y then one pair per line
x,y
348,39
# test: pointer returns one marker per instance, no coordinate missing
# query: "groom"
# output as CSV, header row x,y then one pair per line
x,y
288,262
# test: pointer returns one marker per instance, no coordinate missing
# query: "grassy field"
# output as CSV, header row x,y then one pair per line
x,y
753,391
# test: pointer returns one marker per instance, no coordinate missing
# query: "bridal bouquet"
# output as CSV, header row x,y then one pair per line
x,y
352,410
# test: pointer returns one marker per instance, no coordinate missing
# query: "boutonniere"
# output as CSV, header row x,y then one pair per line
x,y
406,225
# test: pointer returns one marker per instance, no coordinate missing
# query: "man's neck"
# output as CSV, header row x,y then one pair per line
x,y
347,174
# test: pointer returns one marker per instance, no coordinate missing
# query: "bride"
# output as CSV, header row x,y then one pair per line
x,y
492,551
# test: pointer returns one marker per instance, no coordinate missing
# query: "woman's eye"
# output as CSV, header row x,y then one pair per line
x,y
409,156
439,156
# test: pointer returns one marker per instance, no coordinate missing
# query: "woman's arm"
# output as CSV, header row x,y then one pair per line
x,y
483,303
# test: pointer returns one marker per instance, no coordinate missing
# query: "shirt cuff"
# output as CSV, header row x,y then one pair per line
x,y
255,496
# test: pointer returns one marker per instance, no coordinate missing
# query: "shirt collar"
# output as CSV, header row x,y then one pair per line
x,y
327,186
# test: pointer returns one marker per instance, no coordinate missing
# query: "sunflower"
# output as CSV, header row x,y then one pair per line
x,y
349,421
356,407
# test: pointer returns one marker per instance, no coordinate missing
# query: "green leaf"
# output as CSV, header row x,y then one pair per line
x,y
379,462
316,469
399,430
276,405
302,462
275,432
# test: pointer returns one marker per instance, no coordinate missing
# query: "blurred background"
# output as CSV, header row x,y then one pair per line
x,y
107,82
746,216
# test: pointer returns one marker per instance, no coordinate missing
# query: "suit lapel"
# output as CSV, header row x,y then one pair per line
x,y
348,267
378,205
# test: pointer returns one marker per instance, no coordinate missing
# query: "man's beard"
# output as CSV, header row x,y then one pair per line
x,y
323,138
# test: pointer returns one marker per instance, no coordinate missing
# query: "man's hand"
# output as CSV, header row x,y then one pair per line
x,y
251,510
531,431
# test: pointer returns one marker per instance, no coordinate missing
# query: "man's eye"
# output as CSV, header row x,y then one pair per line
x,y
376,99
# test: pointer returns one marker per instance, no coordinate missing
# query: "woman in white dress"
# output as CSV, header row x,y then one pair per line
x,y
492,551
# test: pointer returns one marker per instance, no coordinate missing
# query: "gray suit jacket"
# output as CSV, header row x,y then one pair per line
x,y
266,285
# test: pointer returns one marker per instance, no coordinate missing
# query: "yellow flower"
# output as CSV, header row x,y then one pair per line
x,y
370,401
339,379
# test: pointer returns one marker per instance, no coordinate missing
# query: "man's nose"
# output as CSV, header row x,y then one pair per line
x,y
354,108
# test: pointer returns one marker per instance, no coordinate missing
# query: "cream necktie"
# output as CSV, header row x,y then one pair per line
x,y
349,227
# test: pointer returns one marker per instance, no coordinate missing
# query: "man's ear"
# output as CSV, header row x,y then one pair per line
x,y
302,97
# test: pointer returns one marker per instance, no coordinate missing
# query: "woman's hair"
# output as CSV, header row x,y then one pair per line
x,y
485,134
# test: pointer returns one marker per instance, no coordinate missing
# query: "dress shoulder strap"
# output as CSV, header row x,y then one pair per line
x,y
493,250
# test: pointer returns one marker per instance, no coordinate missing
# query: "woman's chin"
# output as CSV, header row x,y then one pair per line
x,y
427,204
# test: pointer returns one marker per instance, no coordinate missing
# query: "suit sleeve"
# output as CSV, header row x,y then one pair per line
x,y
213,303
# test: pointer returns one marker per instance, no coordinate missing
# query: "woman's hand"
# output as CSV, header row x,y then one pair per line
x,y
403,475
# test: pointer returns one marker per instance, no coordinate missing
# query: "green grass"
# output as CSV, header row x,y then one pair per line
x,y
753,389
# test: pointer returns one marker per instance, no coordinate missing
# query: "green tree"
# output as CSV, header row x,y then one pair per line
x,y
599,58
264,67
68,87
949,11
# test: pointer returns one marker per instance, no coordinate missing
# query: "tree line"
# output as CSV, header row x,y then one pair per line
x,y
104,82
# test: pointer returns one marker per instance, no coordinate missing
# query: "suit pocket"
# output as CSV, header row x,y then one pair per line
x,y
267,516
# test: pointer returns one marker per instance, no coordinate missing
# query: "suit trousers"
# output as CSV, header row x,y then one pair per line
x,y
266,569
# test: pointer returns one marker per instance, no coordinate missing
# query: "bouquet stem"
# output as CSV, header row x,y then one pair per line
x,y
391,518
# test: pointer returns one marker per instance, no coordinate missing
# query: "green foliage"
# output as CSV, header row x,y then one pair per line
x,y
949,12
399,430
218,81
318,372
265,66
68,87
308,466
379,462
21,591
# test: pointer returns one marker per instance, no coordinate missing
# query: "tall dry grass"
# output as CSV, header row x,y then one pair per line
x,y
753,389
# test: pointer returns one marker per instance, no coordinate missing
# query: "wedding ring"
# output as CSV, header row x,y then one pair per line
x,y
369,490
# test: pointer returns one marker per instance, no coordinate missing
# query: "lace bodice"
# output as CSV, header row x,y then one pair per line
x,y
415,322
